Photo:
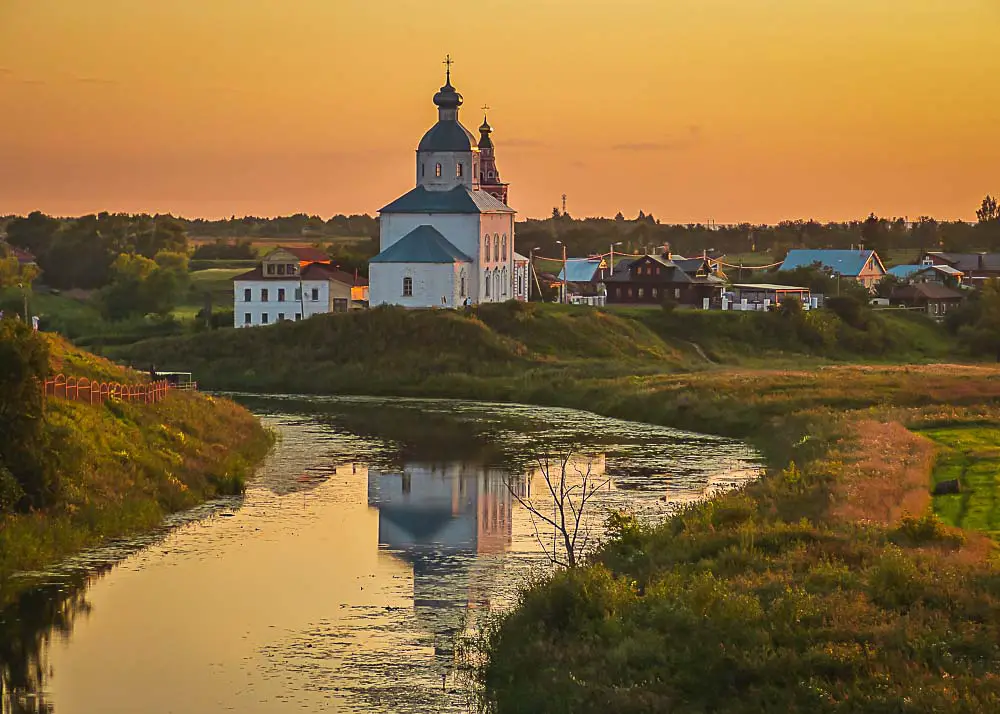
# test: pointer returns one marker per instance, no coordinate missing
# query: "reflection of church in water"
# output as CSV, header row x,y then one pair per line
x,y
448,521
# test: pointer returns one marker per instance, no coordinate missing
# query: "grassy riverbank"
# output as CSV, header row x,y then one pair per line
x,y
829,586
115,469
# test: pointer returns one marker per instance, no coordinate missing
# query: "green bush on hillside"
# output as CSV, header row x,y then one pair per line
x,y
25,480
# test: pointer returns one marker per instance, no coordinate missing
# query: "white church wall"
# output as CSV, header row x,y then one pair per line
x,y
460,229
496,225
449,178
430,283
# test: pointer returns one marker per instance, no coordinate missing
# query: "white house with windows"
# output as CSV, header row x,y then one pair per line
x,y
449,241
294,284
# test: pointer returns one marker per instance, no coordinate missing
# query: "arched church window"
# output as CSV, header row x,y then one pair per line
x,y
496,247
423,170
458,170
486,281
503,281
461,289
407,287
486,248
491,174
437,170
496,282
503,247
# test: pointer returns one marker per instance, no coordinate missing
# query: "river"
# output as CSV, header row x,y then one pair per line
x,y
352,575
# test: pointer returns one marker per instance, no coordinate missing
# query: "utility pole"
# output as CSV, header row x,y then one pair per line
x,y
565,274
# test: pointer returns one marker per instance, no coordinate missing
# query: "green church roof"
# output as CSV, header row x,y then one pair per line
x,y
424,244
460,199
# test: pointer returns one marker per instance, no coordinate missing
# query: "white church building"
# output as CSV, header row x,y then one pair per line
x,y
450,240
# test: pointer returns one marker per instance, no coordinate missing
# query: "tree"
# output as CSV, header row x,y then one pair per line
x,y
562,505
140,286
988,211
887,284
24,361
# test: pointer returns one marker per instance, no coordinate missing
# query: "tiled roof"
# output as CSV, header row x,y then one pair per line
x,y
460,199
580,270
930,291
849,263
313,271
904,271
424,244
969,262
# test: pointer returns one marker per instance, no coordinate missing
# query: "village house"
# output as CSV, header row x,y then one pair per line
x,y
654,279
934,299
294,284
939,274
863,266
975,267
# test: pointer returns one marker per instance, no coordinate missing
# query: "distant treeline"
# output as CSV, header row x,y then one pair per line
x,y
78,252
296,226
645,232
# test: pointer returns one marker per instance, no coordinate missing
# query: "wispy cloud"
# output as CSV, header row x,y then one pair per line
x,y
98,81
31,82
689,138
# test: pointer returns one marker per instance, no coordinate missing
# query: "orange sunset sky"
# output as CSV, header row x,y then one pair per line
x,y
732,110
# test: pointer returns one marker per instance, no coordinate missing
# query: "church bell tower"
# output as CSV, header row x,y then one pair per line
x,y
489,176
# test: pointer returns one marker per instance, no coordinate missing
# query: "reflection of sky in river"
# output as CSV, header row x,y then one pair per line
x,y
369,545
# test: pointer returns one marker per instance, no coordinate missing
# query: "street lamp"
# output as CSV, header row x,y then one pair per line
x,y
611,258
531,270
565,280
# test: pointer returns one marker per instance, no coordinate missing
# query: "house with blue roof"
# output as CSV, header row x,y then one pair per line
x,y
449,241
862,265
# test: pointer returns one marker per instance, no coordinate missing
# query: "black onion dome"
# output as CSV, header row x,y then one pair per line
x,y
485,142
448,97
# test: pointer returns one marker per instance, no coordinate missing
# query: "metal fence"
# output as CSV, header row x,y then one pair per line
x,y
83,389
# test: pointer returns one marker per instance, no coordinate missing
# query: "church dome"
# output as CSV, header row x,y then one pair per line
x,y
447,135
448,97
485,142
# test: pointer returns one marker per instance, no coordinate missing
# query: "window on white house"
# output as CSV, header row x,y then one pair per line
x,y
437,170
281,269
315,294
677,293
263,318
642,292
263,295
281,295
247,319
407,287
247,295
298,293
292,269
270,269
281,317
298,316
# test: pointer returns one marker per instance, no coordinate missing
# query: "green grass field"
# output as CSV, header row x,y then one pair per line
x,y
972,455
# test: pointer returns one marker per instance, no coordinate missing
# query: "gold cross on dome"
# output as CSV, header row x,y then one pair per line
x,y
448,62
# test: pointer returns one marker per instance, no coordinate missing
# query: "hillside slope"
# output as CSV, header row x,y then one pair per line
x,y
394,351
95,471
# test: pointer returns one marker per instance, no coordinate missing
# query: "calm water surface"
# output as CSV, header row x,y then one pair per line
x,y
373,540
